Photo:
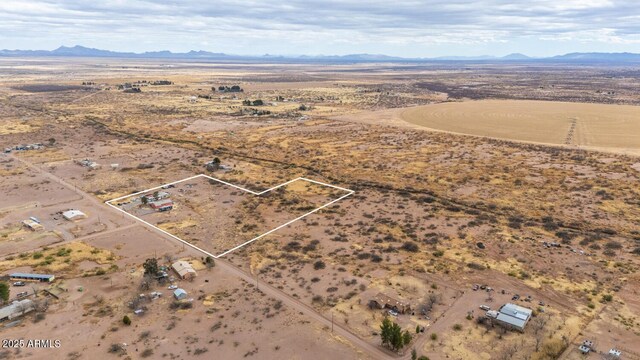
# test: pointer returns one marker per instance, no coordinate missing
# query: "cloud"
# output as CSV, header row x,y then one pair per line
x,y
297,26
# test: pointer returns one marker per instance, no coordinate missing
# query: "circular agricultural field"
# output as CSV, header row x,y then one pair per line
x,y
613,127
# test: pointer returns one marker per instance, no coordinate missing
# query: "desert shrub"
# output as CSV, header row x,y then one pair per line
x,y
549,224
146,353
39,317
216,326
410,246
116,348
183,305
292,246
200,351
434,336
457,327
126,320
515,222
614,245
318,265
607,298
476,266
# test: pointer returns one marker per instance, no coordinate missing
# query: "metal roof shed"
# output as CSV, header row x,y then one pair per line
x,y
180,294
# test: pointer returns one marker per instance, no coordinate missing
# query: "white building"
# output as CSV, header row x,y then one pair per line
x,y
73,215
17,309
511,316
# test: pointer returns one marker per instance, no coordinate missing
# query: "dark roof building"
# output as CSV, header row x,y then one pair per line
x,y
383,301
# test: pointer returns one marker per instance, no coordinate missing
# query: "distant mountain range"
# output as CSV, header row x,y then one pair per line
x,y
81,51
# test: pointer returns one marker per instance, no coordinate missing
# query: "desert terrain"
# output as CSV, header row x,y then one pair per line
x,y
475,184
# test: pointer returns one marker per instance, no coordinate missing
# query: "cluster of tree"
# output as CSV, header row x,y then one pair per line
x,y
127,85
257,102
133,90
151,267
87,83
161,82
259,112
392,335
234,88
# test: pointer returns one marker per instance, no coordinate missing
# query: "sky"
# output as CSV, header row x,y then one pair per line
x,y
407,28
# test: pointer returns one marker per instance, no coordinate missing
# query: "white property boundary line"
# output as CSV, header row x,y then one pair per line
x,y
349,192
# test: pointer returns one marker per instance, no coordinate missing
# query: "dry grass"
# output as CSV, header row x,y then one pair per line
x,y
62,258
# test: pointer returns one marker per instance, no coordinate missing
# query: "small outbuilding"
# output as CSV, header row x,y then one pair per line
x,y
32,225
184,270
180,294
74,215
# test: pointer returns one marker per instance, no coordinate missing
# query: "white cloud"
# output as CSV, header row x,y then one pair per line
x,y
298,26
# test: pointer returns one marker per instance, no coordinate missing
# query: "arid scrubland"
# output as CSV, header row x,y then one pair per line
x,y
432,215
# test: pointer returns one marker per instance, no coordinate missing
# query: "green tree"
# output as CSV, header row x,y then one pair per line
x,y
397,340
126,320
4,291
145,200
150,267
417,329
406,338
385,331
209,262
414,354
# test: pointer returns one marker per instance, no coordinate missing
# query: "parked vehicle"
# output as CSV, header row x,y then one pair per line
x,y
19,283
172,287
393,313
22,294
485,307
